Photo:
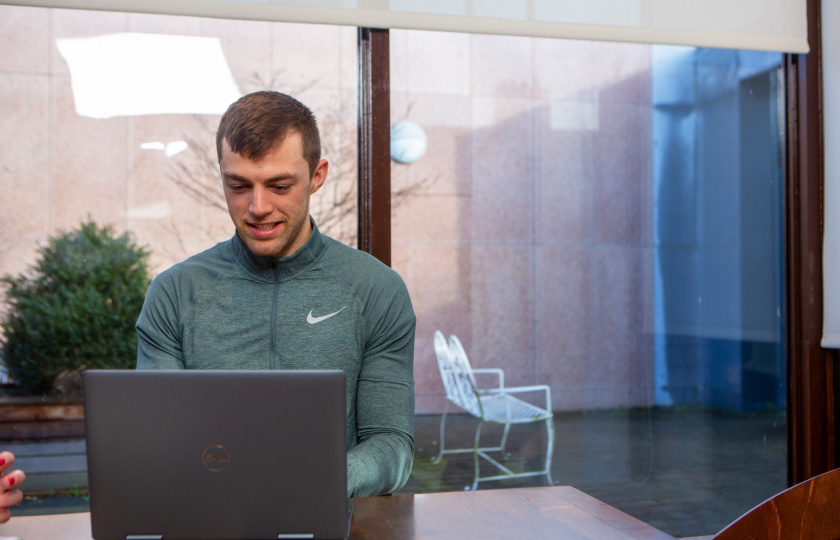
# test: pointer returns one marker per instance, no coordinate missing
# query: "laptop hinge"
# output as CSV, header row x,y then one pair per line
x,y
297,536
144,537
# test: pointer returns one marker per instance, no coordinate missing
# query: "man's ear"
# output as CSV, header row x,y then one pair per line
x,y
319,176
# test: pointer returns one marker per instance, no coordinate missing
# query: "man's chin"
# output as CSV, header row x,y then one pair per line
x,y
263,248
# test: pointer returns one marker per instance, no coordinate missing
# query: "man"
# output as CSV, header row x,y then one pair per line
x,y
281,295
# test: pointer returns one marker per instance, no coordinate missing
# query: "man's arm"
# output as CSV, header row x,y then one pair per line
x,y
158,337
382,461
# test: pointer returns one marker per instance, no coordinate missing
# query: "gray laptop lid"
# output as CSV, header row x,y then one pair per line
x,y
216,455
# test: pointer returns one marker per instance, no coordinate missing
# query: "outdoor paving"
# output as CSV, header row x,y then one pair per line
x,y
686,472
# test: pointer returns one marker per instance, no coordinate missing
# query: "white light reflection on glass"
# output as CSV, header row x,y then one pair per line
x,y
130,74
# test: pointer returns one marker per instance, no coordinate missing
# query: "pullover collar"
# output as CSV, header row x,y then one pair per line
x,y
263,268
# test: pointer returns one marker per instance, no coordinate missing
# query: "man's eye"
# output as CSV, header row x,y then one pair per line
x,y
236,187
280,189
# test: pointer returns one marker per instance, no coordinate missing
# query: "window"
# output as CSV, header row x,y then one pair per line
x,y
552,224
154,174
605,218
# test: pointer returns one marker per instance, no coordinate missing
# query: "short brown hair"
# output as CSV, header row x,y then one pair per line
x,y
259,122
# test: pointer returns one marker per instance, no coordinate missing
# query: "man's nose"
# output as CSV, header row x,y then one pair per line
x,y
259,202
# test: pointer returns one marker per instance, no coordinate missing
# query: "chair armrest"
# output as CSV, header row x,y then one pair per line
x,y
492,371
523,389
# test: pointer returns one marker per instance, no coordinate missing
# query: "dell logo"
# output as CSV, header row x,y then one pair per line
x,y
216,457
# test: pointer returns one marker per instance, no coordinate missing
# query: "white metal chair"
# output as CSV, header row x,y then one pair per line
x,y
496,405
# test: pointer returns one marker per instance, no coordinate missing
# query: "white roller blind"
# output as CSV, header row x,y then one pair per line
x,y
831,111
775,25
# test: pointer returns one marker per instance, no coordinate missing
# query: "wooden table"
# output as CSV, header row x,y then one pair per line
x,y
546,512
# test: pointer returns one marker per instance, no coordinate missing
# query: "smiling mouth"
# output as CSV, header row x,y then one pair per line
x,y
264,226
264,230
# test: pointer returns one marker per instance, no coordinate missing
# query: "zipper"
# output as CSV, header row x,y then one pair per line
x,y
276,299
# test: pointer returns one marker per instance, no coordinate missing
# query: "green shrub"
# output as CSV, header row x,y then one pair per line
x,y
75,309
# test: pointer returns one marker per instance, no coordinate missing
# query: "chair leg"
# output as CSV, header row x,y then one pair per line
x,y
437,459
504,453
549,451
476,449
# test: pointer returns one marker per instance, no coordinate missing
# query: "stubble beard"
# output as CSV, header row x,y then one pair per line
x,y
275,246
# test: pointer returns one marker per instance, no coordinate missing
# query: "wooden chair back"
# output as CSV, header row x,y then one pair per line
x,y
810,510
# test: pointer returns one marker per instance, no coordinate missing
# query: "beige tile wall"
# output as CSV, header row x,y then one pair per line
x,y
61,168
531,242
528,235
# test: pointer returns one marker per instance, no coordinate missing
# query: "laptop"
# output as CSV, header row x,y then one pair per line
x,y
216,455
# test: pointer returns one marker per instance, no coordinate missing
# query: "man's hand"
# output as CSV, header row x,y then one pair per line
x,y
9,482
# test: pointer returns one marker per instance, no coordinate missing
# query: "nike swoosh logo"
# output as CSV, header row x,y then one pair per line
x,y
315,320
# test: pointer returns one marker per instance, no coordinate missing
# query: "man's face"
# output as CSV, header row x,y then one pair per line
x,y
268,198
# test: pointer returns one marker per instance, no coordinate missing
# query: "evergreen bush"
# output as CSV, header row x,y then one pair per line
x,y
75,309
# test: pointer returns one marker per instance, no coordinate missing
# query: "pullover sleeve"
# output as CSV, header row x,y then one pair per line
x,y
381,462
158,341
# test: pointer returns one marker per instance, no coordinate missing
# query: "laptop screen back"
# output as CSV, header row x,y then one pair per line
x,y
216,454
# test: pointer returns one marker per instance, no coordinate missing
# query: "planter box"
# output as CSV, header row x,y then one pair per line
x,y
40,418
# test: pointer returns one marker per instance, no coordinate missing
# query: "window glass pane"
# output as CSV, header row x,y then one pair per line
x,y
605,219
148,166
154,174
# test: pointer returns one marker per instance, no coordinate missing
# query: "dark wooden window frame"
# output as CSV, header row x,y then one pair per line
x,y
811,369
811,381
374,191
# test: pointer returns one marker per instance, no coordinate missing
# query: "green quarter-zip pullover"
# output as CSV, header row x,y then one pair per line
x,y
328,306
